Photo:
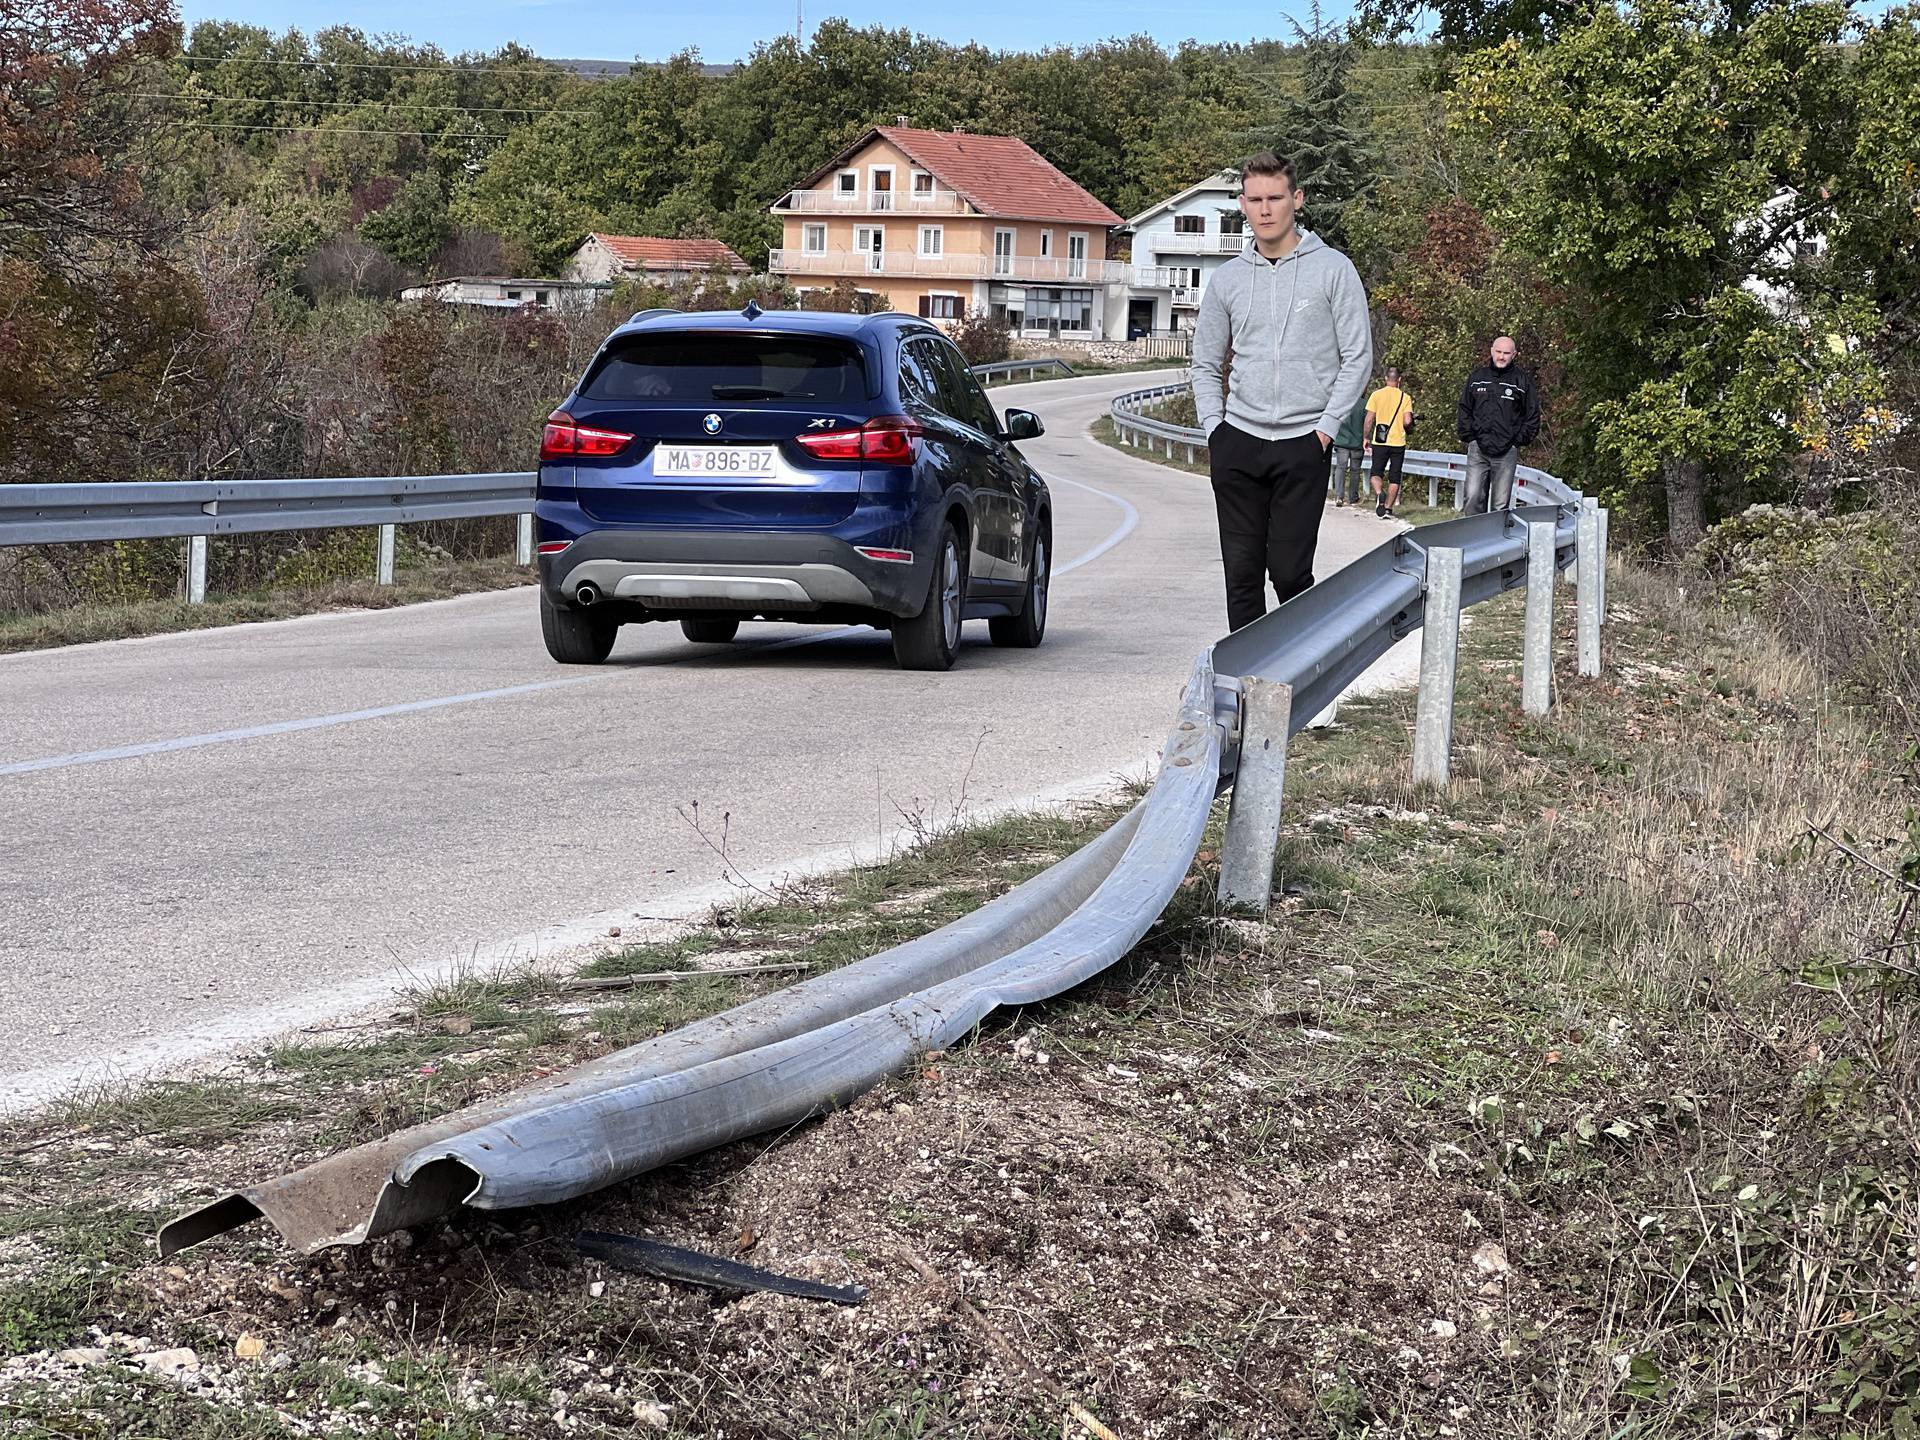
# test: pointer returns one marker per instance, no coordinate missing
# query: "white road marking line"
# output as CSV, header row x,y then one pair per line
x,y
1129,521
283,727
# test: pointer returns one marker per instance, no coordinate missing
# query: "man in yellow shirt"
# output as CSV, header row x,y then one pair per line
x,y
1389,412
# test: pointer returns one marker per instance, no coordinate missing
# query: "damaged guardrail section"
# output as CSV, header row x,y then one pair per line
x,y
779,1058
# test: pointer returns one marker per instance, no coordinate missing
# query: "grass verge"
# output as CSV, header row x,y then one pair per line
x,y
1578,1099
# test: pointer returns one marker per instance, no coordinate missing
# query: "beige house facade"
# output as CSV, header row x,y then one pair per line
x,y
940,223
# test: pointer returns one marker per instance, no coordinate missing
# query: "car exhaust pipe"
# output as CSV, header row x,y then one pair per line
x,y
586,594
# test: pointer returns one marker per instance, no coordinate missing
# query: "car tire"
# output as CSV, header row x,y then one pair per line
x,y
710,632
931,639
576,637
1027,629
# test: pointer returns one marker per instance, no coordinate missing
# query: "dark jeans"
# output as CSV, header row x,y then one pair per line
x,y
1269,495
1348,467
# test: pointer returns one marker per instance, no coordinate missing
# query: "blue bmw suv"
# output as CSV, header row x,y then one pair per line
x,y
803,466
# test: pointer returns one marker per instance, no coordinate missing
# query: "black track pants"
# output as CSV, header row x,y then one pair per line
x,y
1270,495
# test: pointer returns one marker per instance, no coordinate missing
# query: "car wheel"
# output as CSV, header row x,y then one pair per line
x,y
930,640
576,637
1029,627
710,632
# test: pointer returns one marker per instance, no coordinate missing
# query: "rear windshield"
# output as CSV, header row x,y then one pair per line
x,y
704,366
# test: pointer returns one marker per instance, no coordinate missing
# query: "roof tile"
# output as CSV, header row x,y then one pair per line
x,y
645,252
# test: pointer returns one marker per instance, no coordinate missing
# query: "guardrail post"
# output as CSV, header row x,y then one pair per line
x,y
1439,651
1253,816
523,540
1605,516
196,569
1536,671
383,566
1433,492
1588,564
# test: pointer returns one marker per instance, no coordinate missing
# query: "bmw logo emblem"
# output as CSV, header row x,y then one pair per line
x,y
712,424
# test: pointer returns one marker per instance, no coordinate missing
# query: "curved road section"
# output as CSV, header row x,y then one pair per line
x,y
214,837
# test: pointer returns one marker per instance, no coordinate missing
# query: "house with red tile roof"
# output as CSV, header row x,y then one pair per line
x,y
942,222
614,257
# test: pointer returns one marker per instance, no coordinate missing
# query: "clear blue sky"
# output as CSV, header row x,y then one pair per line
x,y
724,30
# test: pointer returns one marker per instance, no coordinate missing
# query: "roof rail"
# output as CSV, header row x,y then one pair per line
x,y
639,315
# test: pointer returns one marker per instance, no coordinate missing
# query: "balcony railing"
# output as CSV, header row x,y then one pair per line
x,y
1164,277
1161,243
907,265
882,202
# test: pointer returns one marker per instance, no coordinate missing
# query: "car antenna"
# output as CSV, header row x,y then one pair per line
x,y
752,310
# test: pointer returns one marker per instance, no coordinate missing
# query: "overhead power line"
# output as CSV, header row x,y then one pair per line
x,y
546,67
357,104
196,124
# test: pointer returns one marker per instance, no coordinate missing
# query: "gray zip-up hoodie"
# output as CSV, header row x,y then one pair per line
x,y
1297,333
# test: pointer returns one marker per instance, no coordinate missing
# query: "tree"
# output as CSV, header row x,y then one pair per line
x,y
1317,130
72,123
1656,159
414,223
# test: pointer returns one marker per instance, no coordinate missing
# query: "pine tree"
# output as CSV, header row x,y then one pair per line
x,y
1316,131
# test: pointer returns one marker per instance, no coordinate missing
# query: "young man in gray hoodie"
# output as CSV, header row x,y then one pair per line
x,y
1284,325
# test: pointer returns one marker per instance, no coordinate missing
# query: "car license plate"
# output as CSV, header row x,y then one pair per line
x,y
714,462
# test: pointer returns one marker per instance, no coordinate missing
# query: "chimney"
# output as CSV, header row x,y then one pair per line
x,y
901,121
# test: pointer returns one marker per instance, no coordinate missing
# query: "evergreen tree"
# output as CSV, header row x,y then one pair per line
x,y
1316,130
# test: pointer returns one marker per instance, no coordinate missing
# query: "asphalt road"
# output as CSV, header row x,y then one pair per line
x,y
212,837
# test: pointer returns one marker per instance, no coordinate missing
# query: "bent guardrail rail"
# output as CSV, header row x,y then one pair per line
x,y
779,1058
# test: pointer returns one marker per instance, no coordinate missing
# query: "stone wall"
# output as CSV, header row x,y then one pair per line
x,y
1100,352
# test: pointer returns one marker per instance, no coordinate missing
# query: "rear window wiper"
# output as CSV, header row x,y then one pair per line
x,y
747,392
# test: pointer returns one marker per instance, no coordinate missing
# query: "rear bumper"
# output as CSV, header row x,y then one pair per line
x,y
740,571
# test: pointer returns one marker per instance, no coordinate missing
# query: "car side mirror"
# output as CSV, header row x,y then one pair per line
x,y
1022,425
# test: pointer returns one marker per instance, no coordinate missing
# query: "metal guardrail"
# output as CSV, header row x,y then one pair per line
x,y
779,1058
200,510
60,514
1135,427
995,369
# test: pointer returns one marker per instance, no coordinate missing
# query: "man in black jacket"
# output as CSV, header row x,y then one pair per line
x,y
1499,412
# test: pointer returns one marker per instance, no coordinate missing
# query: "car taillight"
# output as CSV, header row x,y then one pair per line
x,y
553,547
565,440
887,440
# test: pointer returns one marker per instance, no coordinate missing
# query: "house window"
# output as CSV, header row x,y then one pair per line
x,y
847,184
1076,256
512,294
1046,244
814,241
540,297
880,186
940,307
1189,224
871,241
933,240
922,185
1232,222
1003,252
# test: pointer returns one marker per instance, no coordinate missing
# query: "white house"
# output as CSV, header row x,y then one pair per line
x,y
1177,245
498,292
